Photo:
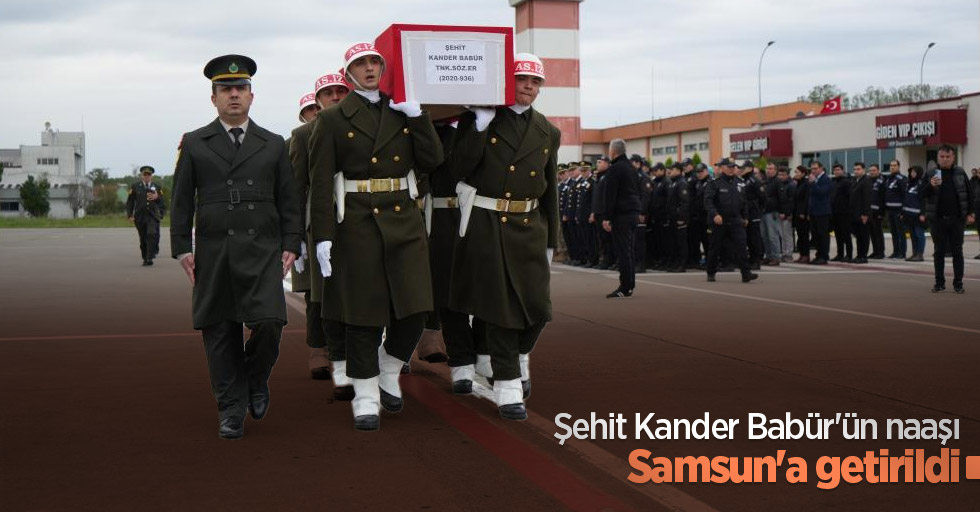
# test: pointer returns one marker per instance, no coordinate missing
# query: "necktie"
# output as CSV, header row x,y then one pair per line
x,y
237,133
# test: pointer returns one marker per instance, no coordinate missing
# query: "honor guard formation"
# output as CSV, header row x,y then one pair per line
x,y
398,227
393,224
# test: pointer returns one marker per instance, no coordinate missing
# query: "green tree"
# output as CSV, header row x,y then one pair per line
x,y
696,159
761,163
34,195
821,93
669,162
99,176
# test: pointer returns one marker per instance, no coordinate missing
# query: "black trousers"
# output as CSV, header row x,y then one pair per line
x,y
947,238
623,231
656,255
587,239
315,329
569,236
401,337
678,238
802,236
842,235
820,227
697,237
607,254
640,246
877,234
729,237
896,225
148,228
506,345
753,234
862,235
236,371
456,331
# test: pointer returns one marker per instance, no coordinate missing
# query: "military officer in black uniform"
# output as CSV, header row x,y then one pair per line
x,y
235,176
728,213
586,229
145,208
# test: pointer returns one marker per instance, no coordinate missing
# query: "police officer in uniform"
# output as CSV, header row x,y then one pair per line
x,y
877,213
645,186
896,185
678,215
755,199
235,176
568,214
505,158
364,155
658,218
145,209
728,213
583,210
698,227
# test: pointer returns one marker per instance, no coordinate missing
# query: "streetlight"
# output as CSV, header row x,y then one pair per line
x,y
770,43
923,65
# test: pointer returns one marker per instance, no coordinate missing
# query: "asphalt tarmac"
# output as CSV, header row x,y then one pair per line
x,y
106,403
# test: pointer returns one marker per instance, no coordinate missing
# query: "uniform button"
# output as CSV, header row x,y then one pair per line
x,y
251,207
507,195
398,208
546,151
230,182
231,207
248,182
503,219
527,221
533,174
231,232
405,131
376,211
512,168
493,140
397,158
350,135
251,231
374,159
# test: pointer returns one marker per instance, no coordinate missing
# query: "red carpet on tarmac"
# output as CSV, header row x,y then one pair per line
x,y
106,403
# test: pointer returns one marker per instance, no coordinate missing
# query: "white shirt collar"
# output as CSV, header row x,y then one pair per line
x,y
227,127
519,109
372,96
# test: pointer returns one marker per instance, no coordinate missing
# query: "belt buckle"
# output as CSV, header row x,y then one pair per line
x,y
451,202
518,206
234,196
363,185
394,184
503,205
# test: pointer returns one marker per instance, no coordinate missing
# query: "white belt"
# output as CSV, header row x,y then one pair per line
x,y
375,185
911,210
875,207
893,205
505,205
445,202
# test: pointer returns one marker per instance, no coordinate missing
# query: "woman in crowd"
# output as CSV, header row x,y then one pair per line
x,y
912,210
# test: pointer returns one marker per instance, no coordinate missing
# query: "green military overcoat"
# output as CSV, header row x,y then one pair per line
x,y
247,214
444,222
380,254
500,269
298,145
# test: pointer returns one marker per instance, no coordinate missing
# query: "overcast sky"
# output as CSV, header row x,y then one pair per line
x,y
131,70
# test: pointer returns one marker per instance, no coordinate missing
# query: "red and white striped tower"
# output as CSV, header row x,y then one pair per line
x,y
549,30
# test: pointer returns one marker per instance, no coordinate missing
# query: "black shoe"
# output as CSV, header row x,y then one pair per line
x,y
876,257
848,259
367,422
751,276
391,403
620,294
818,261
515,412
258,406
526,388
146,263
977,257
406,369
837,258
939,288
231,428
958,288
149,262
343,393
860,261
462,387
322,373
711,278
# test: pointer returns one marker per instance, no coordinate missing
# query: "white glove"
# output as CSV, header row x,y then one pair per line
x,y
323,256
551,254
483,117
298,264
410,108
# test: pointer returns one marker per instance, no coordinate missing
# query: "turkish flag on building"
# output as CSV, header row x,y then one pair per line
x,y
831,105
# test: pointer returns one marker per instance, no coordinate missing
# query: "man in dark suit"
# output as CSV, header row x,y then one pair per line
x,y
819,211
840,207
145,209
861,212
364,155
506,161
236,177
622,211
